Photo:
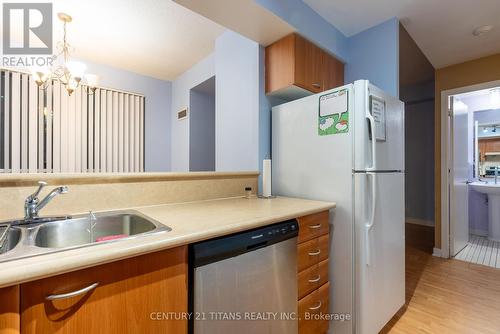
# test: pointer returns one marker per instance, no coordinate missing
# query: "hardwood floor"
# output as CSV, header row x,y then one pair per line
x,y
445,296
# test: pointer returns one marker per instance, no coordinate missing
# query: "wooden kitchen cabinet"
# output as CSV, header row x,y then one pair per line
x,y
312,275
9,310
310,309
134,295
296,67
488,145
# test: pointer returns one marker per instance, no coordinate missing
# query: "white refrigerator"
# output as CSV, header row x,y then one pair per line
x,y
346,145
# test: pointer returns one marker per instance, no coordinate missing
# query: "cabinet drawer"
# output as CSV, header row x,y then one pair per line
x,y
121,297
312,252
313,226
313,305
312,278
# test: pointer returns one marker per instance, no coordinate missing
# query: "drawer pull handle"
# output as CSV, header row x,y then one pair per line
x,y
74,293
316,85
314,227
315,253
315,280
314,308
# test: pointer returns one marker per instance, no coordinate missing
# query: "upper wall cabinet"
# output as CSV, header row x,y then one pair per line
x,y
296,67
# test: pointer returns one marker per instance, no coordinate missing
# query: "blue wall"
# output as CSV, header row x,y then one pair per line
x,y
235,65
236,103
181,86
310,25
158,97
374,55
264,116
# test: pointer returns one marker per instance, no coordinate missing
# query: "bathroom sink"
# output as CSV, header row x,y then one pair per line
x,y
12,239
29,239
486,188
493,191
84,230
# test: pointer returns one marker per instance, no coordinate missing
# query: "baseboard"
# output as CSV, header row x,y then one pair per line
x,y
437,252
480,233
418,221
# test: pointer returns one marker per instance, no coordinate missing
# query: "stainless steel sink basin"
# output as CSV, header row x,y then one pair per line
x,y
12,239
79,231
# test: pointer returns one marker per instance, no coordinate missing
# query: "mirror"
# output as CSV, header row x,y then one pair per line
x,y
488,136
147,87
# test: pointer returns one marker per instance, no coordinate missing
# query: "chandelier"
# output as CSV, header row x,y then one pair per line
x,y
70,73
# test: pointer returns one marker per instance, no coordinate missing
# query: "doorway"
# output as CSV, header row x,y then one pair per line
x,y
470,117
202,126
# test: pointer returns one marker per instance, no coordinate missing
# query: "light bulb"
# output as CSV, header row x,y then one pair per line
x,y
39,74
91,80
76,69
459,107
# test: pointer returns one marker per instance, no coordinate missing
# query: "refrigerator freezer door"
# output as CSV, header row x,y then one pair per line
x,y
307,165
380,251
387,117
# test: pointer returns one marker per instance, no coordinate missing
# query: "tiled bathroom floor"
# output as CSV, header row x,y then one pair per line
x,y
480,250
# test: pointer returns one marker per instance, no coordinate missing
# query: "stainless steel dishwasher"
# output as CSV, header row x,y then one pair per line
x,y
246,282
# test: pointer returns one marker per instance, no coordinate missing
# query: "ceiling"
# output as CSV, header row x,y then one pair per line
x,y
157,38
479,100
441,28
245,17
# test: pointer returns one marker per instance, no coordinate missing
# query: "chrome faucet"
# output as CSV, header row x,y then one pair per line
x,y
32,205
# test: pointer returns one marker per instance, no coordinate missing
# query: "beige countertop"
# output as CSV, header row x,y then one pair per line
x,y
190,222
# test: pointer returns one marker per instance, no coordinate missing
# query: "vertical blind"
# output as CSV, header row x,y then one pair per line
x,y
46,130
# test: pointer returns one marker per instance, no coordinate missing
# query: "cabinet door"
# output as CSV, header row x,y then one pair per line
x,y
332,72
308,65
494,145
280,64
9,310
482,150
128,298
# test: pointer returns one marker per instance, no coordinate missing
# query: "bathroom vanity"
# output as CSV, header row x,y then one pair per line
x,y
492,190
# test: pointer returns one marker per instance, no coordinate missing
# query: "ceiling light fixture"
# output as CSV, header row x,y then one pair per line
x,y
70,73
482,30
459,107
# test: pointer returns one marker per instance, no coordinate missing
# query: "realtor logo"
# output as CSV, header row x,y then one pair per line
x,y
27,28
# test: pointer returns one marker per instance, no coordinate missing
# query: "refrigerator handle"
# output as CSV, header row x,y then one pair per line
x,y
371,120
371,221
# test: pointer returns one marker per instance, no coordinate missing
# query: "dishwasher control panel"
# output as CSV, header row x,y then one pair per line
x,y
213,250
283,230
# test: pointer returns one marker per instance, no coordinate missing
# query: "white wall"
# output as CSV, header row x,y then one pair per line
x,y
237,103
157,116
181,86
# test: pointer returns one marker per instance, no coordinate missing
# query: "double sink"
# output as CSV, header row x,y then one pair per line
x,y
58,234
